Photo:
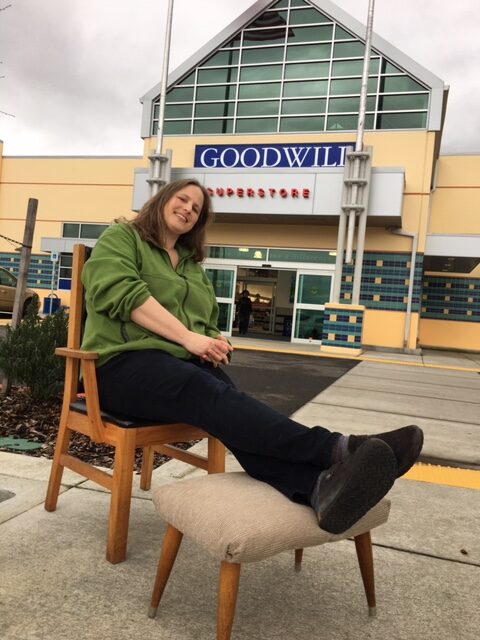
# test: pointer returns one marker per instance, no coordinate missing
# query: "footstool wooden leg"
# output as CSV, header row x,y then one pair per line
x,y
298,559
171,544
363,545
227,598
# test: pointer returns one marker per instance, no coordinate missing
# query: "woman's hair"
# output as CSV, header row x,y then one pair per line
x,y
151,227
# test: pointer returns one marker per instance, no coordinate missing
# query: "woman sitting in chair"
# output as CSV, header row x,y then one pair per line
x,y
152,317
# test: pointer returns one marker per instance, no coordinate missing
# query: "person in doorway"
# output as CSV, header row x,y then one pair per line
x,y
244,310
152,318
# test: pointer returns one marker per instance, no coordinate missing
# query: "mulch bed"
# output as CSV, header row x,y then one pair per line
x,y
23,418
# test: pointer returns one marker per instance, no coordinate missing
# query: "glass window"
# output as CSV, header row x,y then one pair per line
x,y
343,105
217,76
302,124
391,84
180,95
402,121
260,108
222,281
351,85
309,52
259,73
307,16
252,91
307,70
347,68
215,109
7,279
213,93
309,324
233,253
300,255
314,105
178,110
190,79
268,54
313,289
224,315
71,230
342,122
310,34
280,5
341,34
348,49
388,67
254,125
258,37
175,127
301,89
401,102
222,58
213,126
92,231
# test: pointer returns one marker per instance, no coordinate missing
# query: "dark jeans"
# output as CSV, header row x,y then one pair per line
x,y
152,385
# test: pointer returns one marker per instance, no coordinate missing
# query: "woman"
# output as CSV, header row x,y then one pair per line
x,y
152,317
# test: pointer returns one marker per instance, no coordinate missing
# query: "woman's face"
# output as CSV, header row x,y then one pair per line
x,y
182,211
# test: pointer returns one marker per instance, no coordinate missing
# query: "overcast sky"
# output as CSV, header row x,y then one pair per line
x,y
74,70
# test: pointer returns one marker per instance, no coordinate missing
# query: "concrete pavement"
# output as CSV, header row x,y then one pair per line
x,y
55,583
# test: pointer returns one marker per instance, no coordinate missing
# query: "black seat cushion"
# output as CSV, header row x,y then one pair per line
x,y
121,421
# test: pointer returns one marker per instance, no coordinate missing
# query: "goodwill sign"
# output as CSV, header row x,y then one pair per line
x,y
268,156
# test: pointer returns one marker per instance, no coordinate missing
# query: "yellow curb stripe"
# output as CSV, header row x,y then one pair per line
x,y
360,358
453,477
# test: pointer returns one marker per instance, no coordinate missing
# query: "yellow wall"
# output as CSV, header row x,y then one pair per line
x,y
383,328
448,334
456,200
67,189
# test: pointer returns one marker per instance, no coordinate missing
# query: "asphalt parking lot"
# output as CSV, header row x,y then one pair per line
x,y
285,382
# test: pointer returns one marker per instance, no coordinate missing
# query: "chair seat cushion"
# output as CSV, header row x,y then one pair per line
x,y
239,519
120,421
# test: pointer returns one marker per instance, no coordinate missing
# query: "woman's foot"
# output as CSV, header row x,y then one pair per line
x,y
348,489
406,443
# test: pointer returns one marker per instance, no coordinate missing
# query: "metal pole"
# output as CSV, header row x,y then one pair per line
x,y
154,185
362,223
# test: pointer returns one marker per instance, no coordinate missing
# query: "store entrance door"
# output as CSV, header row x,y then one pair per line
x,y
271,292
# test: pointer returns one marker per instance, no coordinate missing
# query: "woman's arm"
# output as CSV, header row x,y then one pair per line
x,y
153,316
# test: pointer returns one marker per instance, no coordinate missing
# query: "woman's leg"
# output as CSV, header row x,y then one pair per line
x,y
152,385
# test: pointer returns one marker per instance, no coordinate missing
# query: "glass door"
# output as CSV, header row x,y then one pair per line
x,y
312,290
223,280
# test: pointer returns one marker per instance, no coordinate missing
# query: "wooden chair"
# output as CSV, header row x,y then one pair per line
x,y
86,417
237,519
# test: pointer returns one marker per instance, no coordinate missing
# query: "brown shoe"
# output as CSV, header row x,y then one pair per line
x,y
348,489
406,443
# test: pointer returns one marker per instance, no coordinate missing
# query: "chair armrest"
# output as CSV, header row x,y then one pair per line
x,y
66,352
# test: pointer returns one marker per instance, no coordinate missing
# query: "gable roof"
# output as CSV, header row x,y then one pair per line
x,y
438,88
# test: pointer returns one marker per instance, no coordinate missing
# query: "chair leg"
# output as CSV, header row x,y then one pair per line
x,y
121,497
227,598
56,470
147,468
363,545
171,544
216,456
298,559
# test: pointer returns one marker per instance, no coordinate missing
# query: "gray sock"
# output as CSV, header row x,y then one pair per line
x,y
340,449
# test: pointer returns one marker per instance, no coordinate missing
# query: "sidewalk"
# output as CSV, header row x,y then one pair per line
x,y
56,584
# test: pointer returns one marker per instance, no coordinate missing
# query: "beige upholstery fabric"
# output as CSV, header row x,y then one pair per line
x,y
239,519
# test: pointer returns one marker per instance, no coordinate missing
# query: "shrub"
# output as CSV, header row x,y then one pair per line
x,y
27,353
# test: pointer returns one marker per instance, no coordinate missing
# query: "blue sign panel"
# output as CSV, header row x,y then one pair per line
x,y
270,156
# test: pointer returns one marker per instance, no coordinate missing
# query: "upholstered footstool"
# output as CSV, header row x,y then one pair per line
x,y
238,519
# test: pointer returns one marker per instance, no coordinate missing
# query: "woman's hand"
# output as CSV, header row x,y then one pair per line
x,y
213,350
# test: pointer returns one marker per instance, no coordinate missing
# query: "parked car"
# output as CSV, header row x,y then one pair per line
x,y
8,284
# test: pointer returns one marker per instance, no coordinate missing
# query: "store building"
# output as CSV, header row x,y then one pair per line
x,y
265,116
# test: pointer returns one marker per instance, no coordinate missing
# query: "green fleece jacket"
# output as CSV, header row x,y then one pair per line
x,y
122,272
